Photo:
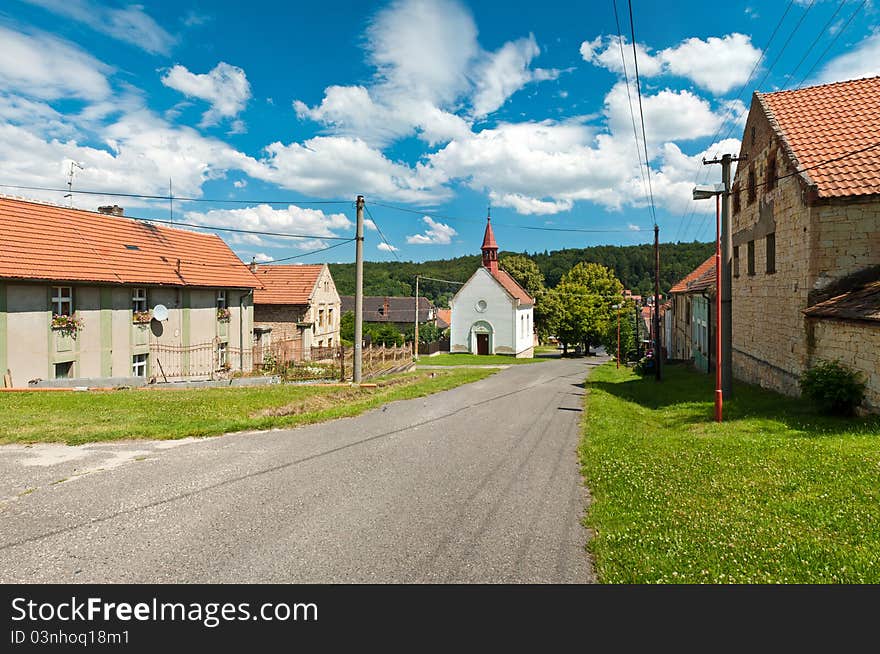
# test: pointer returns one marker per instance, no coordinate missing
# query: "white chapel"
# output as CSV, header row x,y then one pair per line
x,y
492,313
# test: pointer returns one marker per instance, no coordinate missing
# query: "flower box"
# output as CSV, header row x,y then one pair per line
x,y
223,315
141,317
67,325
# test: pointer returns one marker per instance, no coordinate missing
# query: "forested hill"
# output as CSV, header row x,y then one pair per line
x,y
633,265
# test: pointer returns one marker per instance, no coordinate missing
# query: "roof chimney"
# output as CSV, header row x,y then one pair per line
x,y
114,210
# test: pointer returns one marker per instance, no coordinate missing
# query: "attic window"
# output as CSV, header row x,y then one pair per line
x,y
132,247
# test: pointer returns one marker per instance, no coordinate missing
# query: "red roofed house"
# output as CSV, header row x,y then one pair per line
x,y
693,317
296,302
491,313
806,230
87,295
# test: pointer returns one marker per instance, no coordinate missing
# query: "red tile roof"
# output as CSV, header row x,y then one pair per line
x,y
702,277
444,317
511,286
47,242
820,123
489,237
288,284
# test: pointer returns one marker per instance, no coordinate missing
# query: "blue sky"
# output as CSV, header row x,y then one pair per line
x,y
431,105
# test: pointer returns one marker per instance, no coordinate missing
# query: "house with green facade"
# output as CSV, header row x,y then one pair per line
x,y
100,296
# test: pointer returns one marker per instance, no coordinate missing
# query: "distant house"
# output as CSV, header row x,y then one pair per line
x,y
398,311
806,235
86,295
692,317
444,318
296,302
492,313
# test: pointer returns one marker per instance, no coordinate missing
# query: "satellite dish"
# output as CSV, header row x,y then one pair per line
x,y
160,313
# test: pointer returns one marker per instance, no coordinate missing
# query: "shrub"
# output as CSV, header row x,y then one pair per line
x,y
834,387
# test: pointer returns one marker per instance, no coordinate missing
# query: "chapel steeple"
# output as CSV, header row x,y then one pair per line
x,y
490,247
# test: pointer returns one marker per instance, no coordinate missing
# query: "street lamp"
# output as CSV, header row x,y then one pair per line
x,y
705,192
617,306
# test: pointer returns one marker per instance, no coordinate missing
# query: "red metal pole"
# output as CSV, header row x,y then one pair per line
x,y
618,337
719,398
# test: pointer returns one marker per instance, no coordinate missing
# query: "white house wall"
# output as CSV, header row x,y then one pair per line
x,y
501,313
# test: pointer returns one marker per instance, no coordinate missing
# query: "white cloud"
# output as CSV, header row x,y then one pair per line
x,y
291,220
717,64
426,78
42,66
370,225
633,228
239,183
225,88
863,60
526,206
436,234
669,115
337,166
604,51
503,73
130,24
386,247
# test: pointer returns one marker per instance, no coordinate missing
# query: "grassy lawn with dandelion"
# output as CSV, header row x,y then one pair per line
x,y
775,494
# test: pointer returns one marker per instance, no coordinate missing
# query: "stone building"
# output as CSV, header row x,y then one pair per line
x,y
399,311
492,313
691,318
806,229
99,296
296,302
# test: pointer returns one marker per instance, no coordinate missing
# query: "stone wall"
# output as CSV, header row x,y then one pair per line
x,y
281,318
854,344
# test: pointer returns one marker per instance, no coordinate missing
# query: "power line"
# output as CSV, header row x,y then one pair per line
x,y
305,254
629,99
431,214
145,196
688,216
641,111
818,38
241,231
445,281
831,45
391,248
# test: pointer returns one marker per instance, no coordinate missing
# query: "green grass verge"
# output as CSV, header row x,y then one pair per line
x,y
776,493
473,360
75,418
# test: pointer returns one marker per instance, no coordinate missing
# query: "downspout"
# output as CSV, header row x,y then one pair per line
x,y
241,329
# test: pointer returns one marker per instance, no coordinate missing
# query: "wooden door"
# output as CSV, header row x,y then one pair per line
x,y
482,343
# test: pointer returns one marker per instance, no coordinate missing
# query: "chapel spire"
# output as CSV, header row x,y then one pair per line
x,y
490,247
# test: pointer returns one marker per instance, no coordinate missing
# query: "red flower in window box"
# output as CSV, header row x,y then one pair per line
x,y
68,325
141,317
223,314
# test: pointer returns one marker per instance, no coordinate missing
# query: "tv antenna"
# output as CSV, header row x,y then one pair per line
x,y
73,166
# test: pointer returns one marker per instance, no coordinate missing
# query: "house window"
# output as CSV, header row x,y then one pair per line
x,y
320,317
753,133
64,370
222,354
330,342
771,253
138,300
139,365
221,299
736,261
751,257
734,192
771,173
326,286
62,300
752,190
330,318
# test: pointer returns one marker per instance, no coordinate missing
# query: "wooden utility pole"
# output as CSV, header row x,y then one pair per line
x,y
416,331
726,360
357,363
657,351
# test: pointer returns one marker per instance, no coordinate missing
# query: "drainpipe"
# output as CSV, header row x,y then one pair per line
x,y
241,329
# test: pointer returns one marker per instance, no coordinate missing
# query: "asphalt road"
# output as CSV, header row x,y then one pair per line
x,y
477,484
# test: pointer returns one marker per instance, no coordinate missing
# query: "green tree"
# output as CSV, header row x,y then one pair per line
x,y
579,309
525,272
346,327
